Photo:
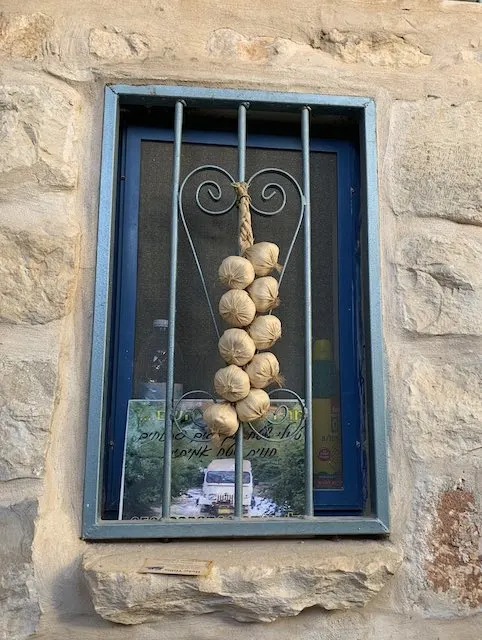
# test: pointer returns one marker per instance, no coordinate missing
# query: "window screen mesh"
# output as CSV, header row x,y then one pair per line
x,y
215,237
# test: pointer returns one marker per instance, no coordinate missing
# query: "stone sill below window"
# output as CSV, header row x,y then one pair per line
x,y
250,581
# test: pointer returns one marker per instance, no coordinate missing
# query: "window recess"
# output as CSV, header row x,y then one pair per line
x,y
168,216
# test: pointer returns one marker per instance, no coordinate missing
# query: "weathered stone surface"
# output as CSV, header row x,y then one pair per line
x,y
378,48
248,582
37,136
27,394
440,282
442,407
68,55
455,561
37,275
311,625
433,160
19,607
229,44
29,207
114,46
23,36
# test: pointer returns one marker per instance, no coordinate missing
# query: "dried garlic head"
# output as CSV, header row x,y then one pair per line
x,y
265,331
236,272
264,257
264,293
254,406
232,383
237,308
236,347
263,370
221,420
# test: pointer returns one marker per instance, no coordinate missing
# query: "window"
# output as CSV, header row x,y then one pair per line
x,y
316,464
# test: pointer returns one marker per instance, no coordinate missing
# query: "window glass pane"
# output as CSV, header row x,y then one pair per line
x,y
276,480
327,442
215,237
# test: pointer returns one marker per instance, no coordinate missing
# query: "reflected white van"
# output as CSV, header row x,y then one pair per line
x,y
217,496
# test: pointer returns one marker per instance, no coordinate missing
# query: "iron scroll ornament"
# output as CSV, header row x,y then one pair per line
x,y
211,187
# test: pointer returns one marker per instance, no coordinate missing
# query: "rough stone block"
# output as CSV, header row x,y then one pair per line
x,y
37,275
37,136
27,394
442,406
248,582
454,563
432,160
19,607
440,282
112,45
231,45
24,36
380,48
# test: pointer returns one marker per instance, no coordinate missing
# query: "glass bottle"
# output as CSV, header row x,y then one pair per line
x,y
153,366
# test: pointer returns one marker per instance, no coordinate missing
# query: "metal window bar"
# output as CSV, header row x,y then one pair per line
x,y
305,141
171,336
238,459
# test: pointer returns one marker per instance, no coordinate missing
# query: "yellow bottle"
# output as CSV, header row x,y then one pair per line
x,y
327,449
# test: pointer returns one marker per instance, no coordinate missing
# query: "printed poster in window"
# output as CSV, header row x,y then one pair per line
x,y
202,484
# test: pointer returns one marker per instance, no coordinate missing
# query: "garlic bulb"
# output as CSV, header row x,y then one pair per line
x,y
236,347
221,420
237,308
263,370
264,257
265,331
254,406
264,293
236,272
232,383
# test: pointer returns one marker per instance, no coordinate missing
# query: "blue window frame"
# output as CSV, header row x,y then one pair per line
x,y
361,505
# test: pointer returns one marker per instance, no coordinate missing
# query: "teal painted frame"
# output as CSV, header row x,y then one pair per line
x,y
377,523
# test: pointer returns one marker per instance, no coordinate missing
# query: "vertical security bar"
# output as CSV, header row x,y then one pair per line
x,y
171,336
305,143
238,460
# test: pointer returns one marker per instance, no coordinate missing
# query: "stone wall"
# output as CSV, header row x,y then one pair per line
x,y
422,62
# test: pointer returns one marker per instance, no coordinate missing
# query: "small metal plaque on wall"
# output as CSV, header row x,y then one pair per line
x,y
177,567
